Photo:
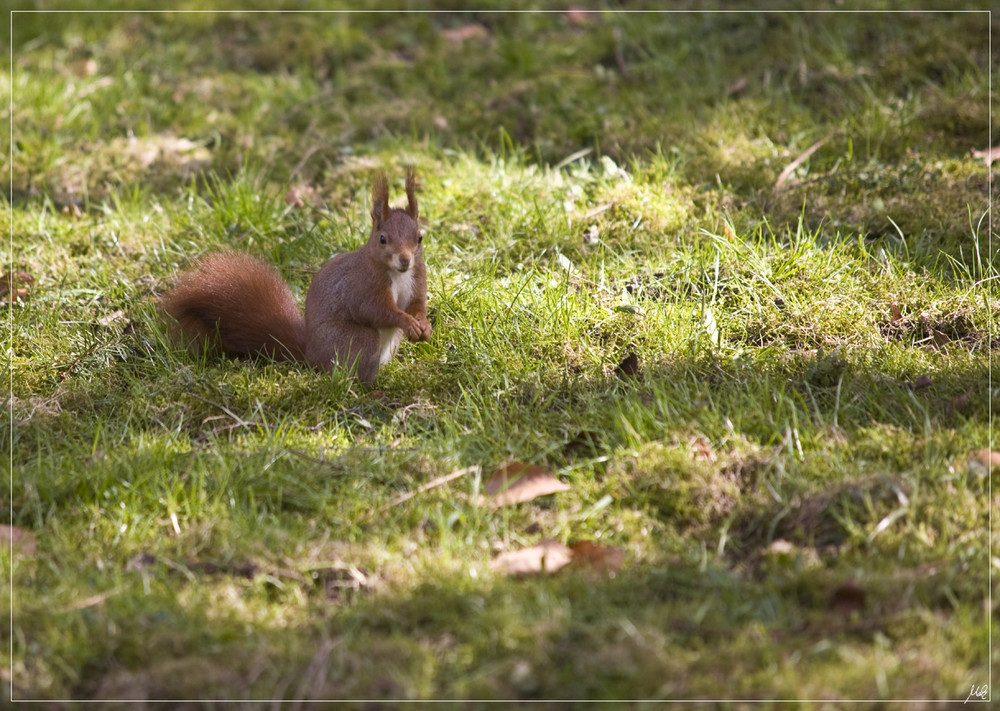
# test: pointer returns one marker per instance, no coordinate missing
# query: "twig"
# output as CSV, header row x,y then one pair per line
x,y
432,484
225,409
92,601
803,157
620,55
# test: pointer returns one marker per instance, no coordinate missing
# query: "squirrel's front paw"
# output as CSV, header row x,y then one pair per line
x,y
414,329
425,330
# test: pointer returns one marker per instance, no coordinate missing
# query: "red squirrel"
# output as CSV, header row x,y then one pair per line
x,y
359,306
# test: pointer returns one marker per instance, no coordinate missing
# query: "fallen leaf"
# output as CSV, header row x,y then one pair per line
x,y
16,284
297,194
940,339
702,449
987,156
607,560
18,538
895,313
736,87
924,381
111,317
781,547
629,367
465,33
580,16
441,122
516,483
548,556
848,597
83,67
958,404
986,457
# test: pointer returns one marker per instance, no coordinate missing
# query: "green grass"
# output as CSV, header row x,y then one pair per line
x,y
814,357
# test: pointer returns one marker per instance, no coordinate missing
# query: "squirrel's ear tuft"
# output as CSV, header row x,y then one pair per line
x,y
411,195
380,197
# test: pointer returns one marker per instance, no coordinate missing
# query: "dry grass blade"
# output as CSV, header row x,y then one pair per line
x,y
432,484
517,482
803,157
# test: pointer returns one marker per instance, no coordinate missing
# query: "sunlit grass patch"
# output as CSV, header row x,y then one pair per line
x,y
727,278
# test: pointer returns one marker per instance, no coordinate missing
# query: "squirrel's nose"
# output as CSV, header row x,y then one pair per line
x,y
403,263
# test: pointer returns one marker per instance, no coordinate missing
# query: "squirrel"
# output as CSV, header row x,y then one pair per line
x,y
358,307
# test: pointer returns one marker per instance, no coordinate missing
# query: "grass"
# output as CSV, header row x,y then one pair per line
x,y
787,469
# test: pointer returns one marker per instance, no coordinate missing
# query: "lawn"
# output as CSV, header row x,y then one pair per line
x,y
724,282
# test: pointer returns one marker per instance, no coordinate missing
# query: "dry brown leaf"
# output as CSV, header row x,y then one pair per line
x,y
297,195
16,284
516,483
464,33
781,547
923,381
848,597
986,457
548,556
83,67
958,403
895,313
21,539
580,16
701,449
607,560
987,156
111,317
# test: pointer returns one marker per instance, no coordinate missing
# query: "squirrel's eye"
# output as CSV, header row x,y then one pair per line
x,y
420,238
381,239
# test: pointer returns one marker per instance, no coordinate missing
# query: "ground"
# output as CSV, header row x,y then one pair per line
x,y
728,277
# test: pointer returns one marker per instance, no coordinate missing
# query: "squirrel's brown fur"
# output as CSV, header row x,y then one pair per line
x,y
358,307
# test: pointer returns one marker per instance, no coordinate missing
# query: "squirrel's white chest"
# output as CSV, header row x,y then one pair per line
x,y
402,287
402,292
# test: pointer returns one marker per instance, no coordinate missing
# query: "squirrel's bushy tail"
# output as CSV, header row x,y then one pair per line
x,y
239,303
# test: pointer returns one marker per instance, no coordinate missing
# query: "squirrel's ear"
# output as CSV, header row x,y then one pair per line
x,y
411,195
380,197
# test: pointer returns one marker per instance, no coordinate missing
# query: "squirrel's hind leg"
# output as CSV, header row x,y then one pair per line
x,y
345,345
